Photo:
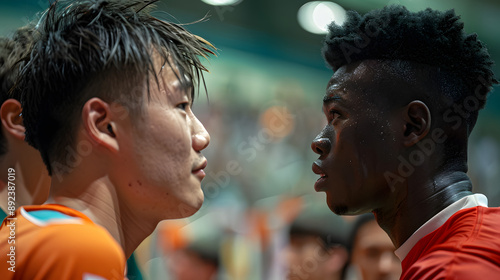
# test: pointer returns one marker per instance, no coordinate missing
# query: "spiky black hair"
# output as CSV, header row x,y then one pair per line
x,y
97,48
427,37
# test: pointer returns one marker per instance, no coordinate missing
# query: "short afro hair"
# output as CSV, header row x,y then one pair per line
x,y
428,37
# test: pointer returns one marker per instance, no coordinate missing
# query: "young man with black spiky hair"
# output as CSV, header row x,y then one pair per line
x,y
107,94
403,100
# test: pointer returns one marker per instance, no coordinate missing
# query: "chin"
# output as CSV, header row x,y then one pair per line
x,y
339,209
190,206
347,210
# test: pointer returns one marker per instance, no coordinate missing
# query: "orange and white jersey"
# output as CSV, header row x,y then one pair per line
x,y
56,242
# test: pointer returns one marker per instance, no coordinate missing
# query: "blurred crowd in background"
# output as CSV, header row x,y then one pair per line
x,y
281,238
261,218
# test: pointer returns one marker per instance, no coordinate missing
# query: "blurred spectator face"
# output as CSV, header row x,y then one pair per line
x,y
188,265
308,259
373,254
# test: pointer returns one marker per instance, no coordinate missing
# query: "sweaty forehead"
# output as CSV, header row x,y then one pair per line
x,y
355,73
350,82
172,83
374,81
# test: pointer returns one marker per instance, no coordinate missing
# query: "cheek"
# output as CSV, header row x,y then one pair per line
x,y
373,145
350,150
165,147
171,134
357,157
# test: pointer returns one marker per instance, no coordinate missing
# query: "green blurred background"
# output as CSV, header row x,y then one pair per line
x,y
265,90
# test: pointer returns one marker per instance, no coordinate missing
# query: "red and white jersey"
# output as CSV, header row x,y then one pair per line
x,y
465,246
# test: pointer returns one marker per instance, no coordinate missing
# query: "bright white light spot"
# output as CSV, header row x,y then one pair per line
x,y
315,16
222,2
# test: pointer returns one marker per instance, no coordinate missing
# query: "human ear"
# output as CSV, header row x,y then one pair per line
x,y
12,121
98,122
417,117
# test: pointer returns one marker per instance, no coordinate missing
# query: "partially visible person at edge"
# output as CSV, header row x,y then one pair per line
x,y
372,252
401,104
23,177
106,95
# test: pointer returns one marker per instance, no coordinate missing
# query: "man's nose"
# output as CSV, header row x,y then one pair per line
x,y
321,145
200,137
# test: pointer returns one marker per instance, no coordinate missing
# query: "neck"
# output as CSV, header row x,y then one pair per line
x,y
28,179
423,200
99,201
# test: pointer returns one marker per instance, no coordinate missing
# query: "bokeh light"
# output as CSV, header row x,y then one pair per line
x,y
315,16
222,2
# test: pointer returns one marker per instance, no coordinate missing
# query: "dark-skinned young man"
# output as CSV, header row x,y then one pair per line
x,y
401,105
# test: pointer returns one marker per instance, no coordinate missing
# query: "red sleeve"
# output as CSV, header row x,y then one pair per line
x,y
445,265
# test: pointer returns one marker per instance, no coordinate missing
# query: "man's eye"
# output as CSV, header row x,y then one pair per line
x,y
183,106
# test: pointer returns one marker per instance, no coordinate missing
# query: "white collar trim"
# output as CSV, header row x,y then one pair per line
x,y
42,223
439,219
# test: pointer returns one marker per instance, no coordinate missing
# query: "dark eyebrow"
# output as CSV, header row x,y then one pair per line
x,y
329,98
188,88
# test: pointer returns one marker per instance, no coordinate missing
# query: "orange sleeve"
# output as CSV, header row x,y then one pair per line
x,y
74,251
